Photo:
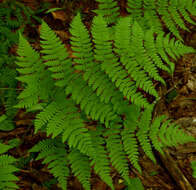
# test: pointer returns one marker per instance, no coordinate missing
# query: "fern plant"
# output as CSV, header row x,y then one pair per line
x,y
13,17
105,80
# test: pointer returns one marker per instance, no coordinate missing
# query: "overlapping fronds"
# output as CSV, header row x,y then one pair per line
x,y
150,13
32,72
102,81
110,64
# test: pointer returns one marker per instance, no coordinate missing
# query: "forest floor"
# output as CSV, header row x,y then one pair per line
x,y
178,101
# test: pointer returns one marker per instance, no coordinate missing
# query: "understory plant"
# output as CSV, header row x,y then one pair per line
x,y
96,103
14,16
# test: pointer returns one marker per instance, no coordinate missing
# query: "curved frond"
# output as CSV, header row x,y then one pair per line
x,y
111,66
116,151
100,159
55,56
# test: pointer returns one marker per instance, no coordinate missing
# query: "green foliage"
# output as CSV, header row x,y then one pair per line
x,y
92,104
7,168
13,17
54,154
109,10
98,84
150,13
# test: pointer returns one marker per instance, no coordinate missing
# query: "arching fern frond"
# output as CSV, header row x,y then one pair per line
x,y
29,60
164,133
141,54
109,62
96,78
55,56
81,44
128,59
32,72
55,155
116,151
129,138
100,160
143,133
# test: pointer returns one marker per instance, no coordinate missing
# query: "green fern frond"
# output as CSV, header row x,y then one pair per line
x,y
81,45
7,178
55,56
81,168
116,151
54,154
29,60
165,133
127,58
172,135
100,159
109,10
141,54
32,72
142,134
93,74
152,51
129,138
166,47
109,62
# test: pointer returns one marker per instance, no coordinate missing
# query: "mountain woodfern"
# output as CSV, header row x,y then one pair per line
x,y
92,104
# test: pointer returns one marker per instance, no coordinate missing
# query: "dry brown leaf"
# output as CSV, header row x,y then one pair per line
x,y
61,15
